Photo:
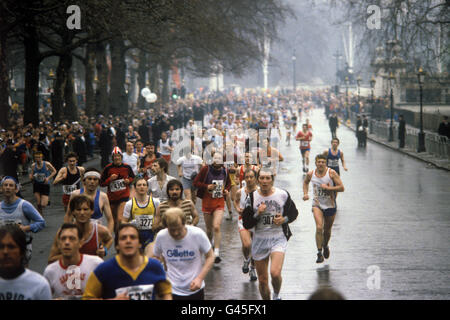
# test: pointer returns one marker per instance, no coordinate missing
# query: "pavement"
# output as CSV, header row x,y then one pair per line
x,y
429,158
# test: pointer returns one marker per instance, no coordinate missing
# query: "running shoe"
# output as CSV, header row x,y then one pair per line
x,y
319,257
275,296
326,252
245,268
230,216
217,260
253,276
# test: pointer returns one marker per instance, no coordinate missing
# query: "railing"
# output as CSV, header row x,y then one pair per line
x,y
435,144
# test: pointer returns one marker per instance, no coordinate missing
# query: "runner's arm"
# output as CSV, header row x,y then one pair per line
x,y
52,169
306,186
338,185
343,161
55,253
157,222
30,212
195,216
60,176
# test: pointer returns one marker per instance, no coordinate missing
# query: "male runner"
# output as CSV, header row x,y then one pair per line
x,y
131,158
326,182
188,166
140,211
213,183
269,210
246,235
95,240
41,173
118,177
129,275
14,210
17,282
333,155
70,177
157,185
68,276
91,182
181,247
305,137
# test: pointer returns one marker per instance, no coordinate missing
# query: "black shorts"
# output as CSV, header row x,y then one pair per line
x,y
43,189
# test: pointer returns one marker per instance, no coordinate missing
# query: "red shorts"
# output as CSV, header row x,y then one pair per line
x,y
209,205
166,157
65,199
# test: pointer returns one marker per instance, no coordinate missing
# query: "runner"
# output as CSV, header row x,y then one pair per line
x,y
326,183
269,210
181,247
118,177
41,173
213,183
91,182
140,211
70,177
157,185
68,276
174,193
333,155
129,275
96,239
165,147
14,210
188,167
131,158
246,235
17,282
147,161
305,137
248,164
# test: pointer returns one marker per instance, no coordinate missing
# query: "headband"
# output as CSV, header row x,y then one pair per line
x,y
10,178
91,174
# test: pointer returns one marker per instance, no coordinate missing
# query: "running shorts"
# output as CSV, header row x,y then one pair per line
x,y
263,247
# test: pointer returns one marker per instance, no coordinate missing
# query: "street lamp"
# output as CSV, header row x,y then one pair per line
x,y
358,83
293,70
347,82
391,128
421,78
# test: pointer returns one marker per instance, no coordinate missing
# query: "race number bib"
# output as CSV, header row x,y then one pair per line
x,y
304,143
117,185
68,189
218,190
144,222
142,292
267,219
333,162
4,222
39,177
319,192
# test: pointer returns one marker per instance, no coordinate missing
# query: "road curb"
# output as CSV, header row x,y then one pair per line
x,y
402,151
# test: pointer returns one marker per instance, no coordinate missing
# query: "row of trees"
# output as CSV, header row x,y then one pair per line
x,y
156,35
422,28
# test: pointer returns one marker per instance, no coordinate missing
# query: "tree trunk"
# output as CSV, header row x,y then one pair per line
x,y
141,78
71,109
165,78
32,61
102,106
89,80
4,78
58,91
118,96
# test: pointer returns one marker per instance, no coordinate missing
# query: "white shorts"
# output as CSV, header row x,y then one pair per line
x,y
263,247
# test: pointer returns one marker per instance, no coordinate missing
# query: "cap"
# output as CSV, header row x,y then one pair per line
x,y
116,150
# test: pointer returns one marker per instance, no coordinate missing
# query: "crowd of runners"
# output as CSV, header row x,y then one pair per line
x,y
225,154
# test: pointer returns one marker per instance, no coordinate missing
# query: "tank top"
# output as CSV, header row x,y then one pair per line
x,y
143,215
265,228
185,207
323,199
97,212
17,216
72,182
91,245
40,174
164,147
333,160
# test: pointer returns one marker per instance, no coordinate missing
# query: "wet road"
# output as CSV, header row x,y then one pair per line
x,y
390,239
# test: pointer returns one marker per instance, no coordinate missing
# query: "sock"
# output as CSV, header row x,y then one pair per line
x,y
275,295
216,252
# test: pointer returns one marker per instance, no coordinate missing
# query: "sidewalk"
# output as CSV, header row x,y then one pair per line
x,y
423,156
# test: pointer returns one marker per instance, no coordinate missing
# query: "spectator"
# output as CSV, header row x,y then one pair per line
x,y
401,131
444,128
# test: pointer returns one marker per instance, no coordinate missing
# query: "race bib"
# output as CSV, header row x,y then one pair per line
x,y
117,185
267,219
68,189
333,162
39,177
4,222
304,143
144,222
218,190
319,192
142,292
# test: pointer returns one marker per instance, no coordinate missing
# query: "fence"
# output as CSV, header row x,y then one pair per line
x,y
435,144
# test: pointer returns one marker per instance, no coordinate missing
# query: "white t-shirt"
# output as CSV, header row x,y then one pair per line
x,y
190,165
184,258
155,189
131,160
29,285
70,281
